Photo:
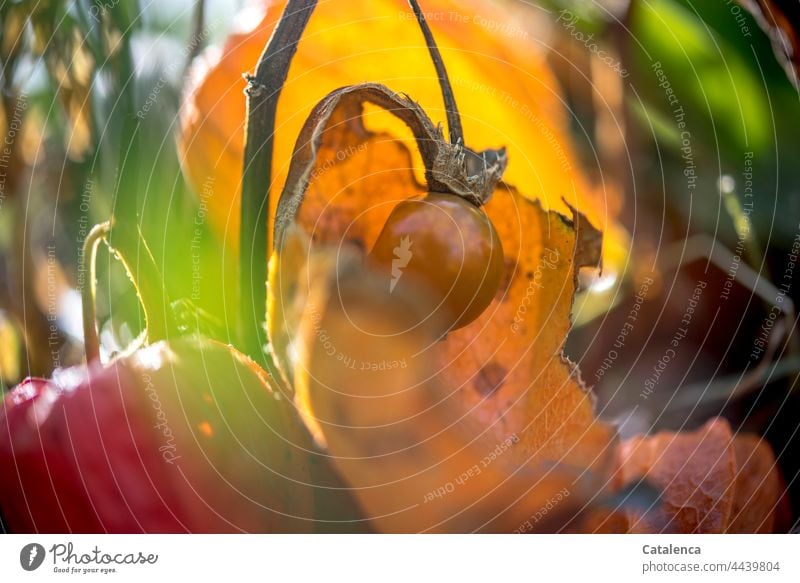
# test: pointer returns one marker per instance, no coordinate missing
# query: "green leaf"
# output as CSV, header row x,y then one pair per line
x,y
711,80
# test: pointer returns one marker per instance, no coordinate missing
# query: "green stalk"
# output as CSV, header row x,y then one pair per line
x,y
91,342
263,90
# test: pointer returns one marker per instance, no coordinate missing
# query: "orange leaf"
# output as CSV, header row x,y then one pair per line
x,y
492,418
506,93
696,471
712,482
758,486
397,435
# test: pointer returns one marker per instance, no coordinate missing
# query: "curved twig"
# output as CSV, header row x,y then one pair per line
x,y
88,298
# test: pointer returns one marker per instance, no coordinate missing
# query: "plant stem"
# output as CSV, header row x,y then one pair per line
x,y
263,91
88,298
453,117
196,43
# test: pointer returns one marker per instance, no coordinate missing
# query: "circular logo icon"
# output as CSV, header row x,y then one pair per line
x,y
31,556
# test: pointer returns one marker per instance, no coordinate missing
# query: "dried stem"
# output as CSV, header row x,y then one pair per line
x,y
196,43
263,91
453,117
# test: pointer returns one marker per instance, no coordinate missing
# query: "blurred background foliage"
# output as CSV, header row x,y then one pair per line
x,y
90,96
735,229
81,82
736,96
